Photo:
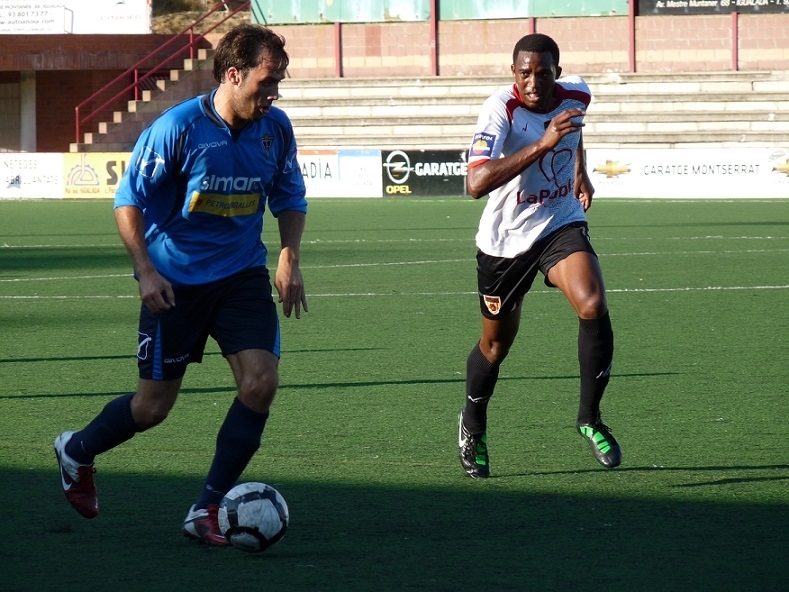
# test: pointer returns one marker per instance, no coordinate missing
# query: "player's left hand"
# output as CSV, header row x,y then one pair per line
x,y
584,190
290,285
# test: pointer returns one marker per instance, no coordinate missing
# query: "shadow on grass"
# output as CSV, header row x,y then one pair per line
x,y
132,356
670,469
61,258
345,538
328,385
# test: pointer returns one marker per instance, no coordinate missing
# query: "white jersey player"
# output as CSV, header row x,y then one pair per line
x,y
527,157
540,199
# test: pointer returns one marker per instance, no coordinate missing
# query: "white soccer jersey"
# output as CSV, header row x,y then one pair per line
x,y
540,199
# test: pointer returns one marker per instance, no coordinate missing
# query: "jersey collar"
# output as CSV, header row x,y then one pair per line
x,y
210,112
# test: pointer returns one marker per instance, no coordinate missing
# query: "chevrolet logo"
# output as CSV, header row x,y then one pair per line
x,y
612,168
782,168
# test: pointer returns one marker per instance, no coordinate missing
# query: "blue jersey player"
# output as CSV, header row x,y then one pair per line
x,y
190,212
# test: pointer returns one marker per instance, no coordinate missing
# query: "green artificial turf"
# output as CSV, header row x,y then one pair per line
x,y
362,437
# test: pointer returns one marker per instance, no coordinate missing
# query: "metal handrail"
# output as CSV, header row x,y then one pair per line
x,y
193,41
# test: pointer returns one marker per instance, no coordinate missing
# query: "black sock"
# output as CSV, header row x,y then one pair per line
x,y
112,426
481,377
236,443
595,356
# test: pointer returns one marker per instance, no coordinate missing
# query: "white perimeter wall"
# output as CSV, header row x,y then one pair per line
x,y
639,173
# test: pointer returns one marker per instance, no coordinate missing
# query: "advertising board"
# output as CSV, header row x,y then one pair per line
x,y
93,174
690,173
654,173
341,173
26,175
424,173
656,7
85,17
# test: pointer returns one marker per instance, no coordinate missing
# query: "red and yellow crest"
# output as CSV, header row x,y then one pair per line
x,y
493,303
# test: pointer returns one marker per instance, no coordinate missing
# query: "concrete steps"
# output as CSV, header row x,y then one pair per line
x,y
639,110
460,141
644,110
119,135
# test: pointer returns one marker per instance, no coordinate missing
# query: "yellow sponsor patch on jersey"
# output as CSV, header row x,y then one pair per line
x,y
224,205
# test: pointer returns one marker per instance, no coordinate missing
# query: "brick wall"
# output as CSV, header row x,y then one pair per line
x,y
691,43
77,52
593,44
763,42
58,92
317,61
9,112
383,49
588,44
474,48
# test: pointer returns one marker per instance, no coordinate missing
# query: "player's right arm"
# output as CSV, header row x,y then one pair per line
x,y
485,176
155,291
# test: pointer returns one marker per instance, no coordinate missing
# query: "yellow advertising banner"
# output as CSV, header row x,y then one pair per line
x,y
93,174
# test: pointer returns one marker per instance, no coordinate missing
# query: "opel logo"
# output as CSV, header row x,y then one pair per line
x,y
398,167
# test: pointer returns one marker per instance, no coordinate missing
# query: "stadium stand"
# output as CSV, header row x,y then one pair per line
x,y
656,110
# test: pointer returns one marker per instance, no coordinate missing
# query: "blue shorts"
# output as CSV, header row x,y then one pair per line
x,y
503,282
238,312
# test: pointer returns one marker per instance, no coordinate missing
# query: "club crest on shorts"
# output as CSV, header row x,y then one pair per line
x,y
493,303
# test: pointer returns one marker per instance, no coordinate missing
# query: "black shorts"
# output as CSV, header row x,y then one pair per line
x,y
503,282
238,312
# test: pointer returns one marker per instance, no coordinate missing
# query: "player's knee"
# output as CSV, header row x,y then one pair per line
x,y
587,312
496,351
592,307
150,413
257,392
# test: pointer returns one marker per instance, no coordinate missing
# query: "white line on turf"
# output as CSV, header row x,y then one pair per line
x,y
91,297
408,240
462,293
402,263
548,291
67,277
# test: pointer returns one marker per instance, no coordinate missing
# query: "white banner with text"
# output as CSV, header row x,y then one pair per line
x,y
95,175
79,17
689,173
722,173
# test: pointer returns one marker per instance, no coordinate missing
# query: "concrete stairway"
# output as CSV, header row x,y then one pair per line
x,y
628,110
119,135
636,110
681,110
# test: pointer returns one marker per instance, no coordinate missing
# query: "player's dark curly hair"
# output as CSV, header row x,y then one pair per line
x,y
536,43
245,47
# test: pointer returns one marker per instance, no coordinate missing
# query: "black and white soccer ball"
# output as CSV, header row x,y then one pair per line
x,y
253,517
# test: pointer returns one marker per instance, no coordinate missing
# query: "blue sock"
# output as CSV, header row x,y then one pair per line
x,y
236,443
112,426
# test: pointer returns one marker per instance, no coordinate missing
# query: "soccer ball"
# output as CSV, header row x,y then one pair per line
x,y
253,516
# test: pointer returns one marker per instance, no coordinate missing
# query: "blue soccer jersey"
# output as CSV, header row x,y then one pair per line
x,y
203,189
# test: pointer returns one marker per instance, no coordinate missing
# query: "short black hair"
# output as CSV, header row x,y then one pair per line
x,y
245,47
536,43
